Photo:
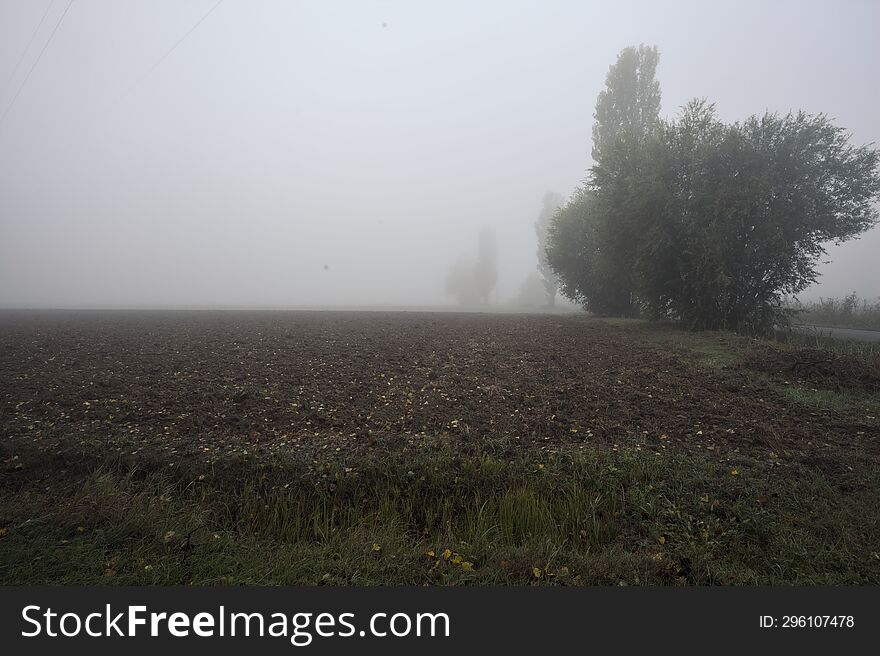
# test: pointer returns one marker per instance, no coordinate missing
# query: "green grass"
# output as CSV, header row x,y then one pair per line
x,y
849,402
714,349
587,518
717,350
851,347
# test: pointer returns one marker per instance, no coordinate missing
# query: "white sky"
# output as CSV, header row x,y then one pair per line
x,y
281,137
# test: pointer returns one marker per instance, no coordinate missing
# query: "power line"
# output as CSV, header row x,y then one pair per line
x,y
166,55
28,46
36,61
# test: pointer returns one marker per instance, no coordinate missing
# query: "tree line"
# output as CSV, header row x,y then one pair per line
x,y
693,219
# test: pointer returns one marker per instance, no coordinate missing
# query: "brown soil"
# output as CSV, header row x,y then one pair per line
x,y
209,385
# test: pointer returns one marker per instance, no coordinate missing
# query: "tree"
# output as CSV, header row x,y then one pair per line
x,y
730,219
708,223
532,292
486,272
460,281
640,231
575,253
770,195
592,237
471,281
551,204
627,116
629,106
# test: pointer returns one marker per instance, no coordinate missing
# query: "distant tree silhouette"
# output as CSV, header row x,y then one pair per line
x,y
471,281
486,272
532,293
551,204
460,281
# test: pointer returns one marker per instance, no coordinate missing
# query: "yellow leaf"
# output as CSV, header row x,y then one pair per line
x,y
376,547
734,472
430,553
467,566
456,558
2,532
536,571
661,539
447,554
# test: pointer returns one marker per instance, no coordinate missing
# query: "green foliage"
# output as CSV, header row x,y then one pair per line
x,y
627,113
574,252
630,103
709,223
591,518
734,217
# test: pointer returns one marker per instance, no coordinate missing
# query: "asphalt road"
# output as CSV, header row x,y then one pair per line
x,y
839,333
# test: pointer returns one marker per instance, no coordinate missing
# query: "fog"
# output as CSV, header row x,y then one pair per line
x,y
289,153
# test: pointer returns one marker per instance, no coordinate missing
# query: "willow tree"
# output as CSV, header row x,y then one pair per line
x,y
731,218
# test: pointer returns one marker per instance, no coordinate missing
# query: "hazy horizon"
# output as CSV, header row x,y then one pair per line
x,y
291,154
